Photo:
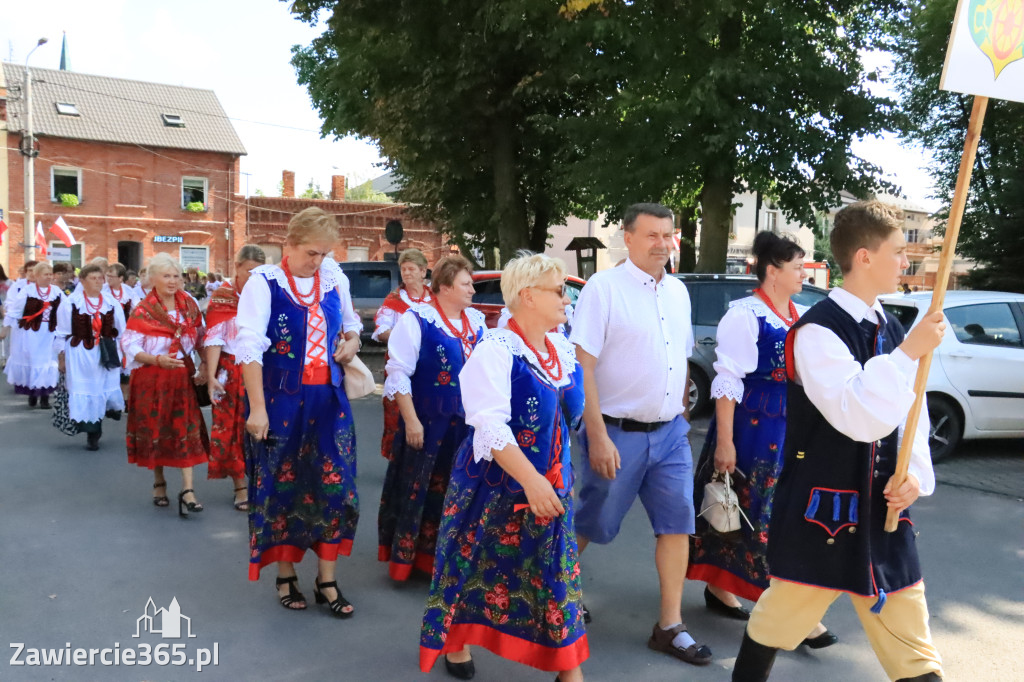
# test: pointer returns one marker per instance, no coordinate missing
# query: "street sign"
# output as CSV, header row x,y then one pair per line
x,y
60,253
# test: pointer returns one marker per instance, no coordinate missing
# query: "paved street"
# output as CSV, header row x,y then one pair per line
x,y
83,549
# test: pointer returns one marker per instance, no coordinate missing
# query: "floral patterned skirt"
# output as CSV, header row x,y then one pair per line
x,y
302,479
227,437
391,417
165,427
505,580
740,566
413,496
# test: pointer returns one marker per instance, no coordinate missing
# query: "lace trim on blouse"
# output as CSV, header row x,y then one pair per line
x,y
725,386
329,272
429,312
760,309
491,436
514,343
395,383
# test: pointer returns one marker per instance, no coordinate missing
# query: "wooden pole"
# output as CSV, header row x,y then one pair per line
x,y
956,214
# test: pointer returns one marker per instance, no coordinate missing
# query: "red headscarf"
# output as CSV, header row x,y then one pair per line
x,y
223,305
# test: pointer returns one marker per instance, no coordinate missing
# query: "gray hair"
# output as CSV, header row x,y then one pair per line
x,y
636,210
251,252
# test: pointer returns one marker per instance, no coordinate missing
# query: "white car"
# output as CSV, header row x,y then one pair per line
x,y
976,383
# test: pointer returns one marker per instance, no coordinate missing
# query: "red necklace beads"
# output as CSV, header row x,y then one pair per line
x,y
552,366
467,336
309,300
119,296
42,295
94,312
793,316
421,299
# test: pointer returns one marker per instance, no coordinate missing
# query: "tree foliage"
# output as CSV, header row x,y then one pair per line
x,y
993,221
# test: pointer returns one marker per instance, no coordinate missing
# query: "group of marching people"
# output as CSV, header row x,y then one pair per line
x,y
481,492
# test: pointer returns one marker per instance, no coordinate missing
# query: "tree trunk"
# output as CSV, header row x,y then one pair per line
x,y
509,204
716,219
686,221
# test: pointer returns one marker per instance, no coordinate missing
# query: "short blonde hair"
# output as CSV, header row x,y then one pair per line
x,y
41,267
162,262
862,225
312,225
100,261
412,256
527,271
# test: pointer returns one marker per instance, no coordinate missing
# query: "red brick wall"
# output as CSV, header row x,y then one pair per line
x,y
129,194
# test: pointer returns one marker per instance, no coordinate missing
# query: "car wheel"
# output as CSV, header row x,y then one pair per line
x,y
946,427
699,391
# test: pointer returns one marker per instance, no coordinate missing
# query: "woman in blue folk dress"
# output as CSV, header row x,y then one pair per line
x,y
506,575
296,330
746,434
426,352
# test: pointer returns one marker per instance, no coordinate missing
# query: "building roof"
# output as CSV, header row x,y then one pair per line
x,y
581,243
121,111
387,183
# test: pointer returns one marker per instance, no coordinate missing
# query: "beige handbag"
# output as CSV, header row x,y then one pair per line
x,y
359,380
721,507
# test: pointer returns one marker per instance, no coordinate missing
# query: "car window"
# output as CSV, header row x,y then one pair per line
x,y
572,290
369,283
488,291
986,324
809,297
711,299
906,314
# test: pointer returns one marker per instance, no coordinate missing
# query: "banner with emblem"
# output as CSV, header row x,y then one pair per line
x,y
985,55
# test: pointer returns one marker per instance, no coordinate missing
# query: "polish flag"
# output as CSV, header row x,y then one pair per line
x,y
3,228
61,230
41,250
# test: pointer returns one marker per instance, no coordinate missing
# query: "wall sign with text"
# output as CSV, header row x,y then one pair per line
x,y
168,239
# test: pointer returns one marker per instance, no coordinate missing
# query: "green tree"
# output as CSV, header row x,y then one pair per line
x,y
993,221
312,191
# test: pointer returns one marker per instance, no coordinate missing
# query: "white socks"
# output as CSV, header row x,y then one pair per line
x,y
683,639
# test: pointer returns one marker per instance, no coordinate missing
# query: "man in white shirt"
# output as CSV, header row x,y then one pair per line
x,y
633,336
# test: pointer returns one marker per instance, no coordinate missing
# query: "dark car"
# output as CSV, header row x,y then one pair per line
x,y
489,300
710,296
370,282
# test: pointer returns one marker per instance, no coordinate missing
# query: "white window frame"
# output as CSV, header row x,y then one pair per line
x,y
181,259
771,221
913,235
53,175
206,190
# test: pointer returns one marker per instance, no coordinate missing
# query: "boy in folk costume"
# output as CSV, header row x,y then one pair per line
x,y
851,376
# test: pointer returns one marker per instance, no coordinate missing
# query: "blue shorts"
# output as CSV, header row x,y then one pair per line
x,y
657,466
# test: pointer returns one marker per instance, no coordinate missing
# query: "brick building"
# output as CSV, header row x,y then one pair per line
x,y
153,168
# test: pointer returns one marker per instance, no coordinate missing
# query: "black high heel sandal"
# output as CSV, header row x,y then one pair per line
x,y
338,604
161,500
462,671
185,507
293,596
242,505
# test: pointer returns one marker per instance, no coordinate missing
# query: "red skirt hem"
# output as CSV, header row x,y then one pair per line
x,y
400,571
512,648
724,580
323,550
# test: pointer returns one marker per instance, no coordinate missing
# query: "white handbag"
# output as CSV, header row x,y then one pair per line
x,y
721,507
359,380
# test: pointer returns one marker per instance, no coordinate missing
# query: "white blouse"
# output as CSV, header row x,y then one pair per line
x,y
127,294
223,334
737,344
387,318
134,342
404,344
506,315
15,307
486,384
254,306
63,333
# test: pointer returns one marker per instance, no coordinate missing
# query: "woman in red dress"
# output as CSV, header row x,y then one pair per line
x,y
413,266
165,427
224,377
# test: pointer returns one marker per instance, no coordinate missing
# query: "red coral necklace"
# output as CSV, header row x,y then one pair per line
x,y
467,336
42,295
421,299
94,313
552,366
309,300
793,315
119,296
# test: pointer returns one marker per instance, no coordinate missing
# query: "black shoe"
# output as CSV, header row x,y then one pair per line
x,y
586,612
114,414
33,401
821,641
92,441
161,500
927,677
754,661
185,507
460,671
338,604
44,402
715,604
294,597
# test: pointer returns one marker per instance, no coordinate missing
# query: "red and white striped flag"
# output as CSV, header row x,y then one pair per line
x,y
3,228
41,250
61,230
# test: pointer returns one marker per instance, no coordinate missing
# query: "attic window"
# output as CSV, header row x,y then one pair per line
x,y
67,109
173,120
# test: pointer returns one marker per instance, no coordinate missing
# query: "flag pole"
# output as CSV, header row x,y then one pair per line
x,y
956,214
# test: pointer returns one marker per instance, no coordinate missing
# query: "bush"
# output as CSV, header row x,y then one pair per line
x,y
69,200
195,207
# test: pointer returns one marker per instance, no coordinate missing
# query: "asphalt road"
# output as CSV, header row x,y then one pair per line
x,y
83,550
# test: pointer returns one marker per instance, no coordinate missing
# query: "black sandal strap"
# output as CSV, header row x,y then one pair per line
x,y
186,491
159,485
282,581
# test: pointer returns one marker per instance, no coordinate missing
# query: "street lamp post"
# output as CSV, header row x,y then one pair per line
x,y
28,150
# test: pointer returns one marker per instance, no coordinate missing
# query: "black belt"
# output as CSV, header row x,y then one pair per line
x,y
632,425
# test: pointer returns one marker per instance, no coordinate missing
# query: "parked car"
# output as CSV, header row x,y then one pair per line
x,y
370,282
489,300
976,384
710,296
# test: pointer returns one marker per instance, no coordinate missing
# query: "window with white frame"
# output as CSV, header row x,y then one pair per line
x,y
913,235
194,193
66,182
771,221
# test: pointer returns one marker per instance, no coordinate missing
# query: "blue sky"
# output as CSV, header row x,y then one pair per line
x,y
241,51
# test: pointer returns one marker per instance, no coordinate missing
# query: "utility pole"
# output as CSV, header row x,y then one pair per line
x,y
28,150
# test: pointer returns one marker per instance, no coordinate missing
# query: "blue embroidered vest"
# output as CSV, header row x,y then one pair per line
x,y
764,389
827,522
435,383
284,360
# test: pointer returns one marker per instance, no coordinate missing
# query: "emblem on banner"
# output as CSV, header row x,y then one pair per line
x,y
997,27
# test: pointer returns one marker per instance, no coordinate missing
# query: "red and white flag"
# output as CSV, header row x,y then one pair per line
x,y
41,250
3,228
61,230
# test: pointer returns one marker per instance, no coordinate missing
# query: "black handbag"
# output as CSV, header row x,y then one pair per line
x,y
108,354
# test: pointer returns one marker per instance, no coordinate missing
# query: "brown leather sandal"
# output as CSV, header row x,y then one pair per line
x,y
661,640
